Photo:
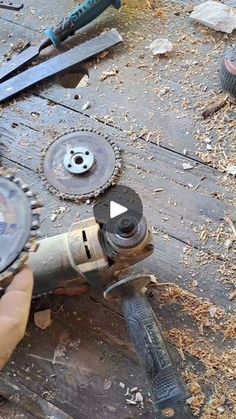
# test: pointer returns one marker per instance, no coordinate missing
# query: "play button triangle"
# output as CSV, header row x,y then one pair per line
x,y
116,209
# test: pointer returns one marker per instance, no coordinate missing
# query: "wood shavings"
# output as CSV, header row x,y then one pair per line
x,y
109,73
231,224
18,48
232,295
196,401
205,313
57,212
204,235
86,106
129,401
205,351
136,397
212,311
187,166
214,108
231,169
230,329
107,384
139,397
194,283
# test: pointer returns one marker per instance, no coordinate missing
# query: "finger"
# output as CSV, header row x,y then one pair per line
x,y
16,301
23,281
14,312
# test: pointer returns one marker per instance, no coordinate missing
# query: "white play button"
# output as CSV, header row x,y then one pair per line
x,y
116,209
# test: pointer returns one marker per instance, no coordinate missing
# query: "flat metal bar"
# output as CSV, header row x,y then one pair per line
x,y
10,5
16,63
59,64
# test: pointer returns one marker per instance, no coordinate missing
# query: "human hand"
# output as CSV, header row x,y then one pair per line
x,y
14,313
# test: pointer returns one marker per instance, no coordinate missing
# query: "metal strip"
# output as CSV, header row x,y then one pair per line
x,y
59,64
10,5
8,68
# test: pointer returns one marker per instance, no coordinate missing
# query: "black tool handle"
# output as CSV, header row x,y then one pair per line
x,y
146,336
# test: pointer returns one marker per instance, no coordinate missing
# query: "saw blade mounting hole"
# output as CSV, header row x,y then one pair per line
x,y
79,160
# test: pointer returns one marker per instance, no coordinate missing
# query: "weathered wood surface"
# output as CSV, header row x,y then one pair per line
x,y
72,363
78,365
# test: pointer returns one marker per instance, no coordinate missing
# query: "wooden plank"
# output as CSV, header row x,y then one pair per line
x,y
77,366
132,109
80,360
31,402
11,411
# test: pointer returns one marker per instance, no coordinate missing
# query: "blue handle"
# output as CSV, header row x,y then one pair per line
x,y
83,14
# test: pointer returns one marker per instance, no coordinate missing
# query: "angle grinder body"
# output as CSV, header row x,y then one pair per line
x,y
84,255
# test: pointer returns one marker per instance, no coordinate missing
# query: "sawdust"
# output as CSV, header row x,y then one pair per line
x,y
204,350
205,313
222,402
197,399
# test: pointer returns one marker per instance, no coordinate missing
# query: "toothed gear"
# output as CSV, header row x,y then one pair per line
x,y
19,222
79,165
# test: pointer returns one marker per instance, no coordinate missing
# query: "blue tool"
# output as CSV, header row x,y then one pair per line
x,y
83,14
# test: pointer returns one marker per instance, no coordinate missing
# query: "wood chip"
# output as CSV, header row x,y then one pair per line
x,y
129,401
187,166
42,319
213,311
107,384
109,73
214,108
139,397
86,106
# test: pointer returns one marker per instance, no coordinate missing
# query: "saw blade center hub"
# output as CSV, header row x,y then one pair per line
x,y
78,160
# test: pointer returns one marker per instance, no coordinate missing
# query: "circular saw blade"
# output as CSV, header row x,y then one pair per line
x,y
19,220
85,184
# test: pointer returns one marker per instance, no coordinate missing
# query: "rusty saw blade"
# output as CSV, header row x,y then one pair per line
x,y
80,165
59,64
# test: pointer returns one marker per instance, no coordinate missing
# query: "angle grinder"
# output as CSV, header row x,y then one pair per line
x,y
93,253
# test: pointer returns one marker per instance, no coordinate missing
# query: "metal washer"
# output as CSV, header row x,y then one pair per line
x,y
78,160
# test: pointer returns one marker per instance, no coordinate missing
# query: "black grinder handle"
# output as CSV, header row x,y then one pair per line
x,y
146,336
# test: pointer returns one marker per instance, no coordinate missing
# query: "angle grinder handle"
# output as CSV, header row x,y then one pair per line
x,y
83,14
146,336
